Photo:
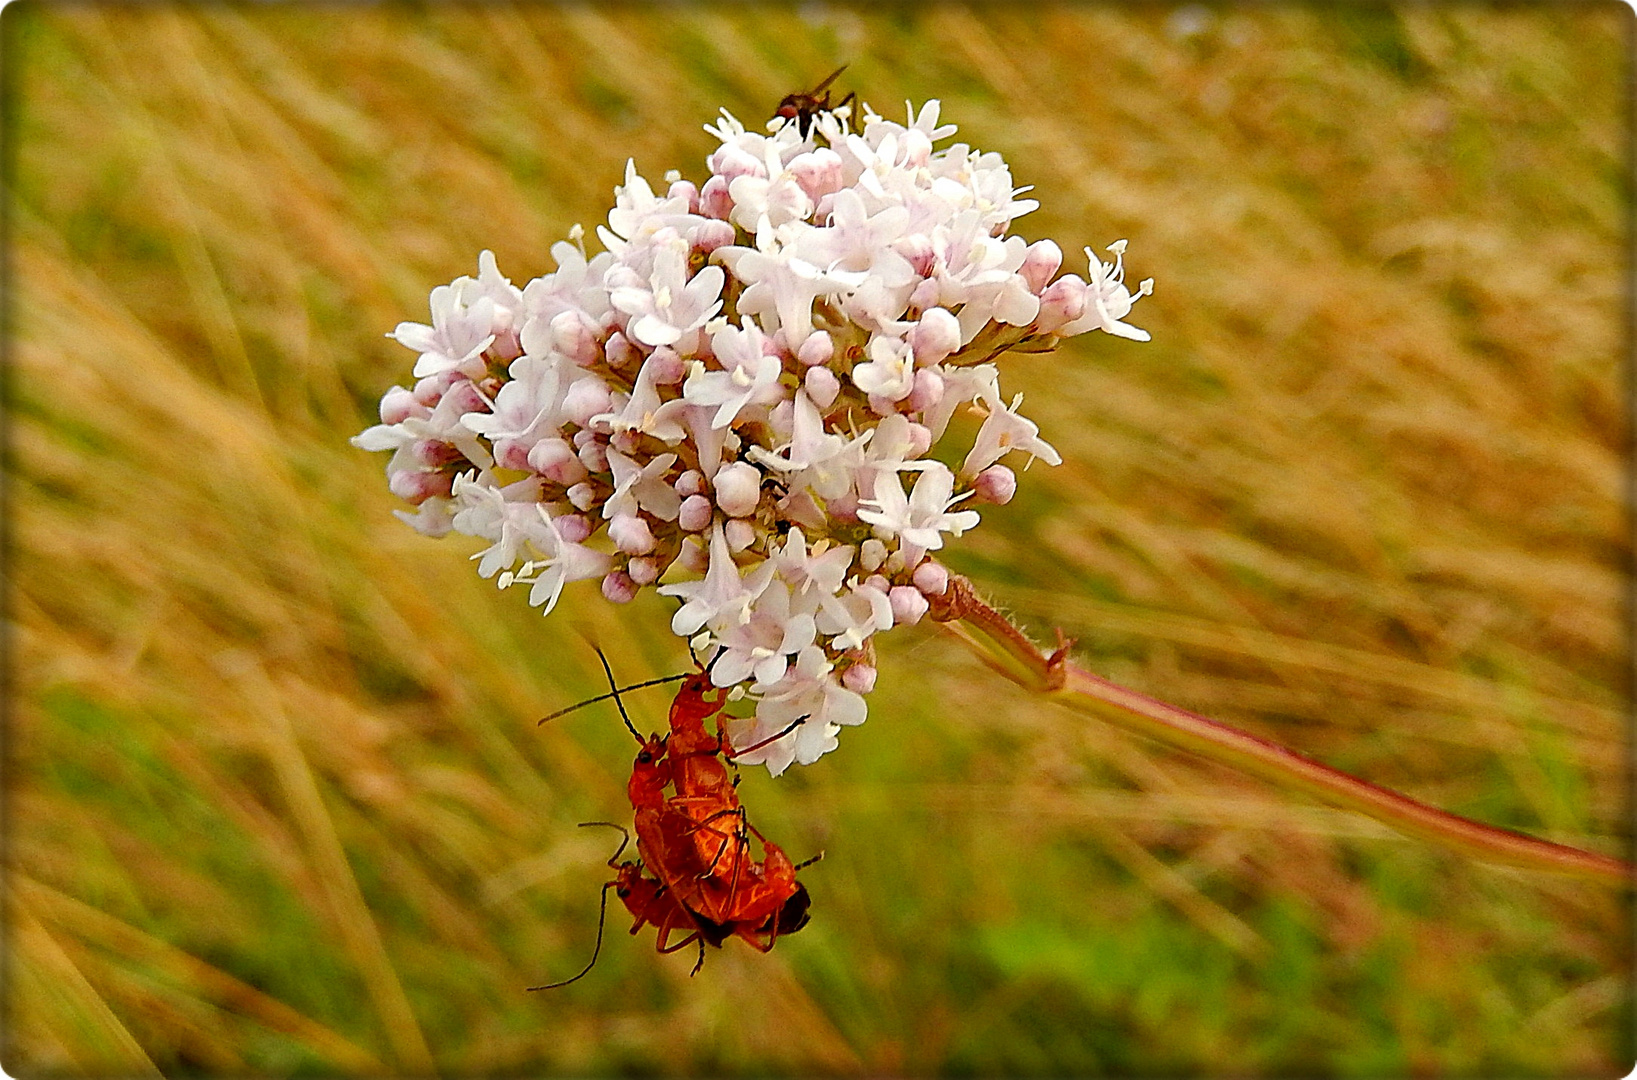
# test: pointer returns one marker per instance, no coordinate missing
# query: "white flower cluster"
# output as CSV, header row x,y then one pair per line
x,y
728,402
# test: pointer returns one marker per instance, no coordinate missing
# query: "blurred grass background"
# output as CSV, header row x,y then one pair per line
x,y
277,802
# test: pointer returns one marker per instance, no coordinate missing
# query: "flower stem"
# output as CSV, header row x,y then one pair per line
x,y
1005,649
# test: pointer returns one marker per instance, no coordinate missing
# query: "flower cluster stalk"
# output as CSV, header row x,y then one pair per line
x,y
1005,649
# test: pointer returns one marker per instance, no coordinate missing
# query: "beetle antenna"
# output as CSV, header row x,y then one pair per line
x,y
615,693
602,917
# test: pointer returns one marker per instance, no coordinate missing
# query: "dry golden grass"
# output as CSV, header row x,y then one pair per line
x,y
276,799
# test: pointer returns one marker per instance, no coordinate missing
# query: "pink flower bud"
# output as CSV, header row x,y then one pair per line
x,y
583,496
418,485
574,528
908,605
996,484
817,349
822,385
512,454
594,456
582,439
714,200
433,453
631,534
695,514
925,296
879,583
934,337
871,554
685,189
508,345
711,234
463,397
1040,262
927,391
859,678
689,483
620,352
738,488
739,534
818,172
619,588
430,390
575,336
1063,301
625,442
668,367
931,578
643,571
398,405
882,406
920,439
585,399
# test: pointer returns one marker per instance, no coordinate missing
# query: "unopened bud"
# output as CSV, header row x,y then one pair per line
x,y
1063,301
711,234
931,578
620,352
430,390
398,405
685,189
463,397
818,173
927,391
935,336
690,482
859,678
512,454
433,453
619,588
920,439
575,337
908,605
822,385
643,571
583,496
817,349
594,456
714,200
585,399
871,554
996,484
418,485
668,368
631,534
925,295
1040,262
695,514
738,488
574,528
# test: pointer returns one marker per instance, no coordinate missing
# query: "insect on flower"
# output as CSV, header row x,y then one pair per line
x,y
696,840
803,105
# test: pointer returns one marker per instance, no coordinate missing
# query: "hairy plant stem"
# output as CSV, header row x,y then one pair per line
x,y
1004,648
